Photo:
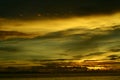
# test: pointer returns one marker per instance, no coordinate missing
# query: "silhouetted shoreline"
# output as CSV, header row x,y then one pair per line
x,y
45,75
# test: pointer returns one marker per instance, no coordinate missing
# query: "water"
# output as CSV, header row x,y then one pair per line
x,y
70,78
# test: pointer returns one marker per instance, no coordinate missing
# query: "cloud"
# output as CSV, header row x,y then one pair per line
x,y
114,57
93,39
76,43
96,53
64,33
115,50
9,49
91,42
12,34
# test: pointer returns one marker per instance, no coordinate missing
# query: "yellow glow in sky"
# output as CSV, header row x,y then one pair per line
x,y
52,25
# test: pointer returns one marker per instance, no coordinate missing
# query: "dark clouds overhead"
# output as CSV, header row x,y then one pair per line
x,y
33,8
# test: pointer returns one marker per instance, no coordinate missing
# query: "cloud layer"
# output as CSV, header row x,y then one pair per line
x,y
75,43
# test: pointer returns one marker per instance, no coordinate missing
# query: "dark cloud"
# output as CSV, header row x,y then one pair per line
x,y
66,44
80,40
64,33
93,41
6,34
96,53
85,39
9,49
115,50
114,57
80,56
28,8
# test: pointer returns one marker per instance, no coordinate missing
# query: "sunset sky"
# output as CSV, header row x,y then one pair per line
x,y
59,29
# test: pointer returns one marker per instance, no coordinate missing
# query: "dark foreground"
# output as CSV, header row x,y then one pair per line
x,y
45,75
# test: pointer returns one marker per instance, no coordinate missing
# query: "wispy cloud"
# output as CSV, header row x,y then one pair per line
x,y
12,34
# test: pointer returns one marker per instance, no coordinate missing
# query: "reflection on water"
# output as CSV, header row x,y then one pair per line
x,y
70,78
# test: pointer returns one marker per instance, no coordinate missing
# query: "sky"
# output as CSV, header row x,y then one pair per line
x,y
59,29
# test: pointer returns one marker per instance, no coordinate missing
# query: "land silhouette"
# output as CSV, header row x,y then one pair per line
x,y
62,68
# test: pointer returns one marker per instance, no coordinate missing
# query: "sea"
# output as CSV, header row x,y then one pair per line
x,y
69,78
